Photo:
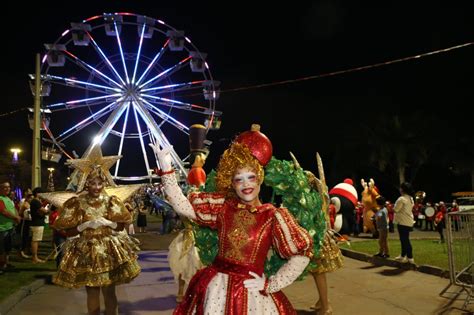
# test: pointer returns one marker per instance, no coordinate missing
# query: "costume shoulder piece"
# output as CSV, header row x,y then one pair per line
x,y
117,210
58,198
70,215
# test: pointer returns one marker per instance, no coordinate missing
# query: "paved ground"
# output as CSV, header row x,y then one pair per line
x,y
358,288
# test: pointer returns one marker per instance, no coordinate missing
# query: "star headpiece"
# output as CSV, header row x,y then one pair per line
x,y
94,162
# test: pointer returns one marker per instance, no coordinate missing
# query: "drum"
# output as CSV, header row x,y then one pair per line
x,y
421,217
429,212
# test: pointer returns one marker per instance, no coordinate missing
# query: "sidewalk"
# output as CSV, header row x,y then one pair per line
x,y
153,292
358,288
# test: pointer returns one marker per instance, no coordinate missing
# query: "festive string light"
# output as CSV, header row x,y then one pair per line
x,y
330,74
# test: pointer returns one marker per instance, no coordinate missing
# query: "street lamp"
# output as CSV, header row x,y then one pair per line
x,y
15,170
15,152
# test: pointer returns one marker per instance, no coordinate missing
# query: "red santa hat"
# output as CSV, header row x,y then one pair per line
x,y
345,190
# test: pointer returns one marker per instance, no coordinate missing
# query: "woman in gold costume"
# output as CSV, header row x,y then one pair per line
x,y
99,258
330,257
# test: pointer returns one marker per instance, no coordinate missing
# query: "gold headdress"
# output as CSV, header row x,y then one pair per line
x,y
95,164
235,157
250,149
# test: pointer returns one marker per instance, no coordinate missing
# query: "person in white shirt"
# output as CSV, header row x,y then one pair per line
x,y
404,220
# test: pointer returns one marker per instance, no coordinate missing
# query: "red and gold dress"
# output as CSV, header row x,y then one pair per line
x,y
246,234
97,257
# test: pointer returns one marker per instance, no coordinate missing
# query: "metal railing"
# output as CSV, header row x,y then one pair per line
x,y
460,238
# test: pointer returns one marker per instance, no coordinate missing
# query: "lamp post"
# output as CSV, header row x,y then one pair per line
x,y
50,179
36,156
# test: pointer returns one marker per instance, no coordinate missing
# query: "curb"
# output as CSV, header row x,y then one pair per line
x,y
378,261
15,298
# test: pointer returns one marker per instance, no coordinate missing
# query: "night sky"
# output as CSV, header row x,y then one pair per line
x,y
250,43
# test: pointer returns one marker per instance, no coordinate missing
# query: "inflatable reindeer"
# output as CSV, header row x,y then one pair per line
x,y
369,197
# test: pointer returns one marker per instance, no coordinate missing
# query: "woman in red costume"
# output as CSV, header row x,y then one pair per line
x,y
235,283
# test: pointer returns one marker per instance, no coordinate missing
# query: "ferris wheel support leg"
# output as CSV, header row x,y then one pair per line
x,y
158,134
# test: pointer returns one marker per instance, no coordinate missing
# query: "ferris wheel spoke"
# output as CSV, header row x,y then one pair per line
x,y
85,122
145,157
121,52
80,84
165,119
204,111
170,88
168,118
138,53
158,134
92,89
185,88
122,137
153,62
69,103
87,67
164,74
104,58
181,105
89,104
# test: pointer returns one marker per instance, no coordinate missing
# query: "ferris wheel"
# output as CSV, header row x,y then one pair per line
x,y
122,80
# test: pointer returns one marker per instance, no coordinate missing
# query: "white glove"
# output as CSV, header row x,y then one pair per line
x,y
256,284
287,274
176,198
163,156
105,222
93,224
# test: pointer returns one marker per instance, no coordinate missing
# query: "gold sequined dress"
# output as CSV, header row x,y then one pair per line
x,y
97,257
330,256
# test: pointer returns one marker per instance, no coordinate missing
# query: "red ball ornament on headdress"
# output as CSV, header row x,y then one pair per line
x,y
259,144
